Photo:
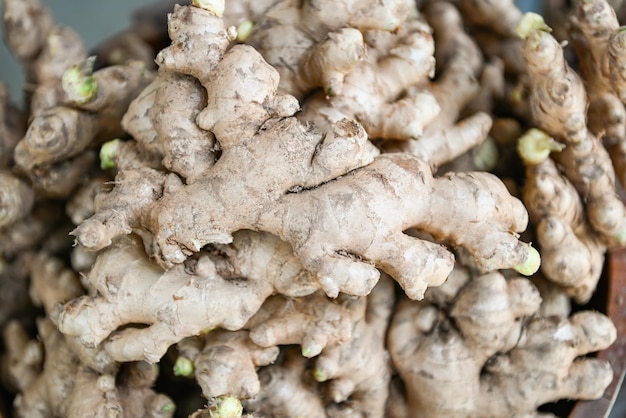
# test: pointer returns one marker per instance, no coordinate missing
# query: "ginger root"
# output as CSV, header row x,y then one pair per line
x,y
60,132
558,99
501,17
594,32
374,92
16,198
225,363
67,388
55,152
459,64
64,379
336,272
12,125
14,300
355,374
572,254
253,267
314,322
287,390
330,40
482,358
576,377
45,50
253,124
558,103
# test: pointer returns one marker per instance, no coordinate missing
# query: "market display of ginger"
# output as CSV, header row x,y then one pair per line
x,y
310,209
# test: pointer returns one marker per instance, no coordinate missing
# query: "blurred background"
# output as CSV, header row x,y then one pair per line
x,y
96,20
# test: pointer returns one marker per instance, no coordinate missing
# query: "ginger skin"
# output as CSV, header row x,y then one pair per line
x,y
374,92
267,265
595,26
329,39
45,395
459,64
27,233
617,66
65,387
243,113
26,25
558,103
45,50
314,322
584,332
293,214
69,374
605,209
14,300
163,117
188,150
558,100
120,208
487,313
59,180
287,390
12,126
485,361
22,358
194,28
355,375
225,363
16,198
257,245
501,16
572,254
55,152
60,132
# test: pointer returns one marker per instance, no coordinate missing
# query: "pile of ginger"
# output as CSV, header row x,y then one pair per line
x,y
311,209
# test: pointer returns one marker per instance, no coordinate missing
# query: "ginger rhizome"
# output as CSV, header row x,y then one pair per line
x,y
66,387
470,354
44,49
16,198
58,133
253,267
598,48
253,124
572,254
329,39
375,91
558,103
459,64
12,125
287,389
225,363
355,374
337,272
501,17
318,322
62,378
